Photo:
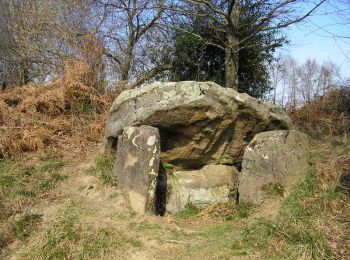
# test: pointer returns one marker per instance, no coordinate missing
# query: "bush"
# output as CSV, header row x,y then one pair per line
x,y
70,111
325,116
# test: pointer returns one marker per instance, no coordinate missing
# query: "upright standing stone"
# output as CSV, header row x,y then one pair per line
x,y
272,159
137,166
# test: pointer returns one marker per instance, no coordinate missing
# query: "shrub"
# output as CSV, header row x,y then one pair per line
x,y
41,117
325,116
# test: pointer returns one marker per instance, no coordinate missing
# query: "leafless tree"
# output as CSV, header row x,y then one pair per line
x,y
303,83
38,36
134,42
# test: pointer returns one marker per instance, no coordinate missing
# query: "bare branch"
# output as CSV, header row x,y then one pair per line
x,y
149,74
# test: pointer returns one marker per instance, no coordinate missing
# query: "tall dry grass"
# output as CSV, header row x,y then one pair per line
x,y
325,116
66,116
327,121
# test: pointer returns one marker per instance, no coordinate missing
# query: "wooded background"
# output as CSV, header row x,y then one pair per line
x,y
127,43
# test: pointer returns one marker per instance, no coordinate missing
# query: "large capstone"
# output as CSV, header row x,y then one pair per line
x,y
137,166
210,185
273,162
200,123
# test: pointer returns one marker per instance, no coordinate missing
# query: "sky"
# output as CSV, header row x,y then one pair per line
x,y
318,37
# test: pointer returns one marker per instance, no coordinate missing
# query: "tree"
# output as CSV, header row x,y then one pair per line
x,y
196,60
193,59
224,17
132,38
302,83
39,37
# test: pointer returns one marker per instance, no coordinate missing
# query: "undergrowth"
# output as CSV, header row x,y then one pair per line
x,y
325,116
61,116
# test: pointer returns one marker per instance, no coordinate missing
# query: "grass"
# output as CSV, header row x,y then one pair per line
x,y
244,210
25,225
144,226
274,190
312,215
30,180
103,169
168,167
295,232
71,237
189,211
20,187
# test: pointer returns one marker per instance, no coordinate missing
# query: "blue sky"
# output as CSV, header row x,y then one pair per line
x,y
316,38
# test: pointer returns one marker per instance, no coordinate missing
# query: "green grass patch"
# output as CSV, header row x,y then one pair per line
x,y
274,190
27,181
189,211
50,181
168,167
145,225
215,231
126,215
29,170
103,168
244,210
295,229
25,225
70,237
51,166
20,185
82,108
292,208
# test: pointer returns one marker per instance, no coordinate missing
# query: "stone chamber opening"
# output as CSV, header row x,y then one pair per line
x,y
161,191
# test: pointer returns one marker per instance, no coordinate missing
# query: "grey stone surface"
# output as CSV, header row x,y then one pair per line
x,y
272,158
137,166
199,122
210,185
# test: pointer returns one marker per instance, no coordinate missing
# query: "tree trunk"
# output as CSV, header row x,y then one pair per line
x,y
231,63
25,73
125,68
232,48
129,53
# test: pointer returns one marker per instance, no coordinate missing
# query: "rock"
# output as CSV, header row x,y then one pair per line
x,y
272,160
208,186
137,165
199,122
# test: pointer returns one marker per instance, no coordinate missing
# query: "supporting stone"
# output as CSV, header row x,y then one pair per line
x,y
137,166
208,186
273,160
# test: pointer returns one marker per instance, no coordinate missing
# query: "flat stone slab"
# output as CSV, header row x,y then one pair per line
x,y
200,123
137,166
